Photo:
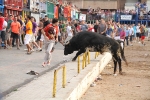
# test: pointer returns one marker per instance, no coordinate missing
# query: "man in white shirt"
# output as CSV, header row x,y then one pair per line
x,y
69,32
131,34
3,33
70,35
138,32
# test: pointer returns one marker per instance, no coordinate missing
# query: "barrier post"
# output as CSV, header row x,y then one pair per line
x,y
88,57
54,83
95,55
78,64
64,77
85,54
83,64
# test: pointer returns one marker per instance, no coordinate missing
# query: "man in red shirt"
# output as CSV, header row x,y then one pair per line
x,y
1,25
50,33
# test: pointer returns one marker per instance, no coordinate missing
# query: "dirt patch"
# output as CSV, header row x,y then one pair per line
x,y
133,85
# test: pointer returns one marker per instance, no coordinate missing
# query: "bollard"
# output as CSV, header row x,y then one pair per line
x,y
85,55
54,83
95,55
78,64
64,77
83,64
88,57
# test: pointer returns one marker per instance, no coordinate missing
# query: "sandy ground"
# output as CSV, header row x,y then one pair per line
x,y
133,85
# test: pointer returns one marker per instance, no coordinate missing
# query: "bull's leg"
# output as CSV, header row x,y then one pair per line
x,y
120,68
115,66
77,54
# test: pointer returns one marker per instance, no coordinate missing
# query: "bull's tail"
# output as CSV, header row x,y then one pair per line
x,y
122,54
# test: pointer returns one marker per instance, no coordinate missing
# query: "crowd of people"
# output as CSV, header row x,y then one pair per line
x,y
50,31
140,8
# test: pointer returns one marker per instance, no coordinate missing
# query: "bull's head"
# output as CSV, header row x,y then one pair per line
x,y
68,48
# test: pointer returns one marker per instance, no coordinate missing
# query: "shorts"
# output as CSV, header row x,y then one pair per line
x,y
27,38
14,35
2,35
137,34
42,38
32,38
7,36
142,37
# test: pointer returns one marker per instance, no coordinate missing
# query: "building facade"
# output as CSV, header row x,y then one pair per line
x,y
13,7
103,4
35,9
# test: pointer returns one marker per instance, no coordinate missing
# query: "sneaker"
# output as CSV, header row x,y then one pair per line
x,y
48,63
29,53
39,49
18,48
32,50
44,64
10,47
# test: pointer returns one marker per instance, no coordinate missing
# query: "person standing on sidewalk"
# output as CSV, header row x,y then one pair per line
x,y
8,27
28,35
69,32
4,33
15,29
34,34
50,33
1,26
21,33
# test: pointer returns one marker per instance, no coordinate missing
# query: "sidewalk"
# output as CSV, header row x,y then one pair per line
x,y
14,64
41,88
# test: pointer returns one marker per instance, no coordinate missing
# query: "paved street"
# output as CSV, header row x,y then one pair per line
x,y
14,64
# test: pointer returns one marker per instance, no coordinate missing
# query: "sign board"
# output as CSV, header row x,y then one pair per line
x,y
126,17
82,17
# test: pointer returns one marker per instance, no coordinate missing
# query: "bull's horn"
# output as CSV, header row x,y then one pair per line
x,y
67,42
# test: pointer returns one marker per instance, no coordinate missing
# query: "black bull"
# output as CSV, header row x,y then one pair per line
x,y
98,43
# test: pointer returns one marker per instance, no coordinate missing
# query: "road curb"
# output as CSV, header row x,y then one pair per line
x,y
79,85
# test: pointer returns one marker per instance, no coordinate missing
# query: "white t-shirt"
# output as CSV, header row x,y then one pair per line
x,y
59,34
131,31
4,25
69,31
138,29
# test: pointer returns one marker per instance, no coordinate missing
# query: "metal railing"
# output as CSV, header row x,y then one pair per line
x,y
55,79
85,60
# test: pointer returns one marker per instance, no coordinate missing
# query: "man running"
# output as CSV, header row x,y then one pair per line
x,y
50,33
